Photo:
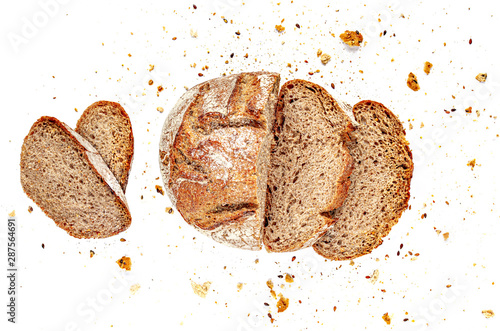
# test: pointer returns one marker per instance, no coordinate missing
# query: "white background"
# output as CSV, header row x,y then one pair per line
x,y
77,52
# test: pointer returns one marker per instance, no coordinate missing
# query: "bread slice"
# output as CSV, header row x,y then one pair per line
x,y
64,175
380,185
107,127
214,155
310,166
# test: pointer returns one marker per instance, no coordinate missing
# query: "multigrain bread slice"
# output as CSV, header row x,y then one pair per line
x,y
107,127
380,185
310,166
67,178
214,155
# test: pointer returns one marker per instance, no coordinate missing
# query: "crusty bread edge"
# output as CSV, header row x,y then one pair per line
x,y
99,167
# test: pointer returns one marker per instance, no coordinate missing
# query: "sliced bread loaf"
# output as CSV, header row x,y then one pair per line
x,y
380,185
64,175
310,166
107,127
214,155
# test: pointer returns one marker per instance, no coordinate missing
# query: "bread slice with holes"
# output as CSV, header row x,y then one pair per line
x,y
214,155
107,127
309,167
68,179
380,185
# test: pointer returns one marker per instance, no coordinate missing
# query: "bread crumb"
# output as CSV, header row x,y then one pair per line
x,y
427,67
92,253
169,210
468,110
319,52
256,261
446,235
481,77
386,318
30,209
288,278
239,286
159,189
150,82
488,313
325,58
134,288
201,290
352,262
410,126
282,304
270,284
412,82
422,125
125,263
123,240
374,277
352,38
280,28
160,109
193,33
151,67
471,164
12,213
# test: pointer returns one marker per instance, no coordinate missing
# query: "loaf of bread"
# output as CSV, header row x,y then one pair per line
x,y
68,179
107,127
380,185
214,156
310,166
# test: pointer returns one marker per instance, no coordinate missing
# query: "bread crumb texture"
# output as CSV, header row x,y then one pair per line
x,y
282,304
386,318
92,253
481,77
280,28
352,38
325,58
412,82
488,313
134,288
12,213
289,278
125,263
374,276
239,286
446,235
201,290
270,284
427,67
471,164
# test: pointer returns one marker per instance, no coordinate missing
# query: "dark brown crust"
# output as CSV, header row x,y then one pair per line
x,y
384,231
84,152
129,154
343,182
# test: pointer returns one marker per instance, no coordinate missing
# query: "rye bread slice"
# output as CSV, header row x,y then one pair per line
x,y
310,166
67,178
214,155
380,185
107,127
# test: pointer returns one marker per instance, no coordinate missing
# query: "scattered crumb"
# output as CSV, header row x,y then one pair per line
x,y
288,278
386,318
422,125
12,213
438,232
427,67
280,28
134,288
151,67
468,110
150,82
239,286
374,276
412,82
160,109
270,284
488,313
43,245
352,262
446,235
471,164
159,189
193,33
92,253
270,317
201,290
125,263
169,210
123,239
319,52
352,38
282,304
481,77
30,209
256,261
325,58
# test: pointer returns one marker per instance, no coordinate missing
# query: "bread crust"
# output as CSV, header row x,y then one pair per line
x,y
383,228
343,182
209,152
97,164
128,146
